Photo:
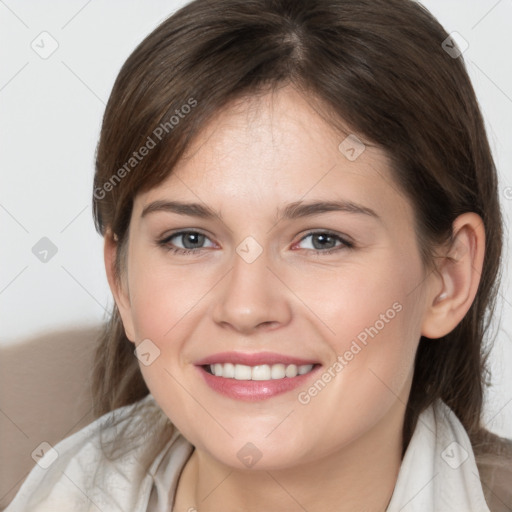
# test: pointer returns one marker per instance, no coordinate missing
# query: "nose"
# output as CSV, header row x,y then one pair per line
x,y
252,297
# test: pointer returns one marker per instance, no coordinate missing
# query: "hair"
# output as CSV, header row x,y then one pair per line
x,y
377,67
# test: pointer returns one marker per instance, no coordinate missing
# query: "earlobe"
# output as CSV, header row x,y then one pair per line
x,y
119,289
457,277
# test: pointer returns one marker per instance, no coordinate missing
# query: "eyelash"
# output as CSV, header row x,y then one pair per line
x,y
195,252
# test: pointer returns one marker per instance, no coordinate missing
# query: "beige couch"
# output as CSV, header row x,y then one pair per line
x,y
44,396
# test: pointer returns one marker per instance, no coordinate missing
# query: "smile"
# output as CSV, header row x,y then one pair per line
x,y
258,372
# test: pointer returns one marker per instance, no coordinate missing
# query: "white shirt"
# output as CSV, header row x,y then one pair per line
x,y
438,472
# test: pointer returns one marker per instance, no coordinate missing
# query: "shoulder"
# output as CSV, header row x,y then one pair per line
x,y
106,464
493,455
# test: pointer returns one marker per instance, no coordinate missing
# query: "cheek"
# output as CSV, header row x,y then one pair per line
x,y
371,318
162,297
371,370
363,300
165,305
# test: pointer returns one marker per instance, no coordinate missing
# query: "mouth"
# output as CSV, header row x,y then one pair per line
x,y
256,376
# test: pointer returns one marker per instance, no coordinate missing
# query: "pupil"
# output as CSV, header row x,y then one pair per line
x,y
323,237
191,236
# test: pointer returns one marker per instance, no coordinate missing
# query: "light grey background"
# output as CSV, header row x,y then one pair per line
x,y
50,114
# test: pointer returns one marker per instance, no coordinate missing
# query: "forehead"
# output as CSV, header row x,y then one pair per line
x,y
271,131
277,148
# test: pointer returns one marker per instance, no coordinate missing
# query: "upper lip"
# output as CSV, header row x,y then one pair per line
x,y
253,359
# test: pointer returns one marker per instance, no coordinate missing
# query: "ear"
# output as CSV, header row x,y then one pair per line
x,y
457,278
118,286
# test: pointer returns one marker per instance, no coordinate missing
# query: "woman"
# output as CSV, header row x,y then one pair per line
x,y
321,348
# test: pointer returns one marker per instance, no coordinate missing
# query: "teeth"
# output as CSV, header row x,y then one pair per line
x,y
260,372
278,371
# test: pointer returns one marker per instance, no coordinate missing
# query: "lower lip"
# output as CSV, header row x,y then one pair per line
x,y
252,390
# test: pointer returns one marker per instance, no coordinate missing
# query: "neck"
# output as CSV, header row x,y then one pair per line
x,y
360,476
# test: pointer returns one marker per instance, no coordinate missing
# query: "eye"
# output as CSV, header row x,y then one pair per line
x,y
324,242
192,242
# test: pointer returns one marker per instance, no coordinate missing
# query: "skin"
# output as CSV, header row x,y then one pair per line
x,y
253,158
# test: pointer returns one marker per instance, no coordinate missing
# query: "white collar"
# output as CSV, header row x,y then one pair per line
x,y
438,471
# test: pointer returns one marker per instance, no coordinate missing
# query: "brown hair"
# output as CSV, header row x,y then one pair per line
x,y
377,66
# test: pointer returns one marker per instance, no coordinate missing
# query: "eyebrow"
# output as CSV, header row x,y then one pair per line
x,y
293,210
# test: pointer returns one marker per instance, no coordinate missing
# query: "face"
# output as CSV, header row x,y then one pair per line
x,y
313,315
